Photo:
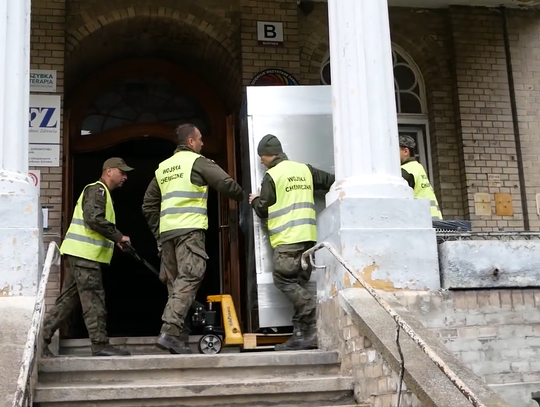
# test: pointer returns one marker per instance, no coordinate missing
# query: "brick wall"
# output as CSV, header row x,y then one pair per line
x,y
496,333
524,32
470,122
484,113
255,57
426,37
375,382
198,36
314,42
463,66
47,52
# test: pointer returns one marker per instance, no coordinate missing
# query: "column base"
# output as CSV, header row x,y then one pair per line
x,y
390,242
21,243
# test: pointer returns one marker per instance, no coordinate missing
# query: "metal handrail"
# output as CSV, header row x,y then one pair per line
x,y
458,383
24,391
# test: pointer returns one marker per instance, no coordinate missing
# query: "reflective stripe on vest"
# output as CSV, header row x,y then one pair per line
x,y
423,188
83,242
292,219
183,205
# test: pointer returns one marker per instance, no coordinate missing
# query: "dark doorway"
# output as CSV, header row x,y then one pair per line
x,y
134,295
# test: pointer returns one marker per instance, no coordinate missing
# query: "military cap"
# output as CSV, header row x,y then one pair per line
x,y
116,162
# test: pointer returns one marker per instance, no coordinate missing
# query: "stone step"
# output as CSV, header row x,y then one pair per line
x,y
142,345
188,368
313,391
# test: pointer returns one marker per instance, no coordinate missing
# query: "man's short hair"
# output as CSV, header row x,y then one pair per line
x,y
183,132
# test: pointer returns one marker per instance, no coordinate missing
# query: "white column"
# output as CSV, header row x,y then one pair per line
x,y
371,217
14,84
364,110
20,231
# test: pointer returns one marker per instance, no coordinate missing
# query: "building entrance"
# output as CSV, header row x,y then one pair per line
x,y
131,113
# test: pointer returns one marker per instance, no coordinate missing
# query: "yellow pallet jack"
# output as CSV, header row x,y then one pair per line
x,y
217,336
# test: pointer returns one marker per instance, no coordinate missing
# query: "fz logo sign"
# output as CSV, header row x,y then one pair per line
x,y
43,117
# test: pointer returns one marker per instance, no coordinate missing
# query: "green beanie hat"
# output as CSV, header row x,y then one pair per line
x,y
269,145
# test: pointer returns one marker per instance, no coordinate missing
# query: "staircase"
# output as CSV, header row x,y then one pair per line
x,y
285,379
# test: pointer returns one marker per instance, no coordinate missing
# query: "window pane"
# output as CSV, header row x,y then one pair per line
x,y
409,103
326,76
143,100
106,101
92,124
405,77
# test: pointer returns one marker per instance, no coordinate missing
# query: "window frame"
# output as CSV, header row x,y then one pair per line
x,y
409,121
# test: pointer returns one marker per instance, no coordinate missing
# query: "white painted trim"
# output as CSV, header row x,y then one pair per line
x,y
420,119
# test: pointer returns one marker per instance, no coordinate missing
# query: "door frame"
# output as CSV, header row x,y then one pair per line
x,y
216,144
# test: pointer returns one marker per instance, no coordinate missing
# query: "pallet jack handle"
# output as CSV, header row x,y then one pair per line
x,y
131,250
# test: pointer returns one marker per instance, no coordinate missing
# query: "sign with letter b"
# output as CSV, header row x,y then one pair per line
x,y
270,33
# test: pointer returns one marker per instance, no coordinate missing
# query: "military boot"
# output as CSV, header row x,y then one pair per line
x,y
300,340
46,351
109,350
175,345
311,335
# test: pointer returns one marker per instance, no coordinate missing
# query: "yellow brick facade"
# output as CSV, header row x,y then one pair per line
x,y
460,53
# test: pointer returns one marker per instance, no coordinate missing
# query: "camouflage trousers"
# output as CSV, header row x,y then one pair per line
x,y
84,287
183,264
291,280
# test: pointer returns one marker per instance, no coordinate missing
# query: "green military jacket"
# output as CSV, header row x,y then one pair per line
x,y
204,172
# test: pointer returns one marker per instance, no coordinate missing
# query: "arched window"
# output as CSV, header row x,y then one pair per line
x,y
411,107
142,100
408,83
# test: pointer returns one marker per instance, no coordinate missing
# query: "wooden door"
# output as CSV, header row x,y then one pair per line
x,y
229,229
66,197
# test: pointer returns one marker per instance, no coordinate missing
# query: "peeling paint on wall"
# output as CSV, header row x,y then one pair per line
x,y
5,292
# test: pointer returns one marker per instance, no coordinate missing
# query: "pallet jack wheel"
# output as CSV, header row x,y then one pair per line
x,y
210,344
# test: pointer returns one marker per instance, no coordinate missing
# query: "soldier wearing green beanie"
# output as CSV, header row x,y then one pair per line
x,y
286,200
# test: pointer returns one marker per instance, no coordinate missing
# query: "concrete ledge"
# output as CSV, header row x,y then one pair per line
x,y
15,318
489,264
422,377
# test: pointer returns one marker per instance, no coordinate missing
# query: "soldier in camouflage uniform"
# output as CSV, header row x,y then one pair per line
x,y
175,208
286,200
90,241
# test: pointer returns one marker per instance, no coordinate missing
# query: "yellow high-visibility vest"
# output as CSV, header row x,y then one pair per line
x,y
423,188
183,204
292,219
83,242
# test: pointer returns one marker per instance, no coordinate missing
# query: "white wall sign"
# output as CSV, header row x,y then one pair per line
x,y
42,80
269,33
35,175
44,155
44,119
45,213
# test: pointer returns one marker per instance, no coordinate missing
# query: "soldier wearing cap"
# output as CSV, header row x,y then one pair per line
x,y
89,242
175,207
414,173
286,200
